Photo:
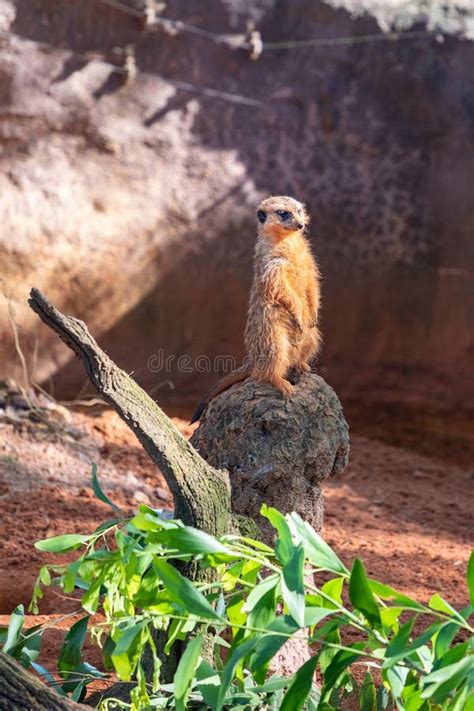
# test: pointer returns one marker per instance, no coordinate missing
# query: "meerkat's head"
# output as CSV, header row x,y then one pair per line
x,y
280,216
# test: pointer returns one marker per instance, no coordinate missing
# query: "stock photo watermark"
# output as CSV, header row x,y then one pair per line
x,y
160,362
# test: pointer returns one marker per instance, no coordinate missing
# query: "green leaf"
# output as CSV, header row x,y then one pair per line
x,y
15,626
470,577
192,540
389,617
367,700
107,651
274,683
47,676
300,687
440,683
396,678
444,638
417,643
126,652
69,580
31,643
71,648
44,575
259,591
317,550
292,585
333,588
146,521
208,683
463,700
183,592
78,691
184,674
452,655
313,615
441,605
110,523
382,698
61,544
388,593
339,663
253,543
264,610
284,545
329,632
90,599
361,595
412,697
96,487
268,645
399,642
237,654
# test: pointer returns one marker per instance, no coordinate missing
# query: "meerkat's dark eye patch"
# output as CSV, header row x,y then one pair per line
x,y
262,216
283,215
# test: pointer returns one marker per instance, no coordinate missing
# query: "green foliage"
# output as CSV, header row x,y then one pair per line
x,y
249,599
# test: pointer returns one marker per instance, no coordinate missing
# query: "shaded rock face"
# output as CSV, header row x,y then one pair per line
x,y
132,204
276,451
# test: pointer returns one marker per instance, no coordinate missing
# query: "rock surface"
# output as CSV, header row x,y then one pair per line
x,y
277,452
131,204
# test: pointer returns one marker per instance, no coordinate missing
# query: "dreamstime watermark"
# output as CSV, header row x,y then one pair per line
x,y
160,362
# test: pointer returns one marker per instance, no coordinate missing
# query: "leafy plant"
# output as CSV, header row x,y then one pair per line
x,y
369,641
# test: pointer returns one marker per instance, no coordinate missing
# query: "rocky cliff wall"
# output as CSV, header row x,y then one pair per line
x,y
130,203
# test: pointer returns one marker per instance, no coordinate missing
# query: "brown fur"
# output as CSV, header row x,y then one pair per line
x,y
281,332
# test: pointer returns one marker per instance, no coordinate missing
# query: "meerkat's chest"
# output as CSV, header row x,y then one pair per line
x,y
286,269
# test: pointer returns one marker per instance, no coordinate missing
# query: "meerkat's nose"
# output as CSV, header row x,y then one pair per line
x,y
299,225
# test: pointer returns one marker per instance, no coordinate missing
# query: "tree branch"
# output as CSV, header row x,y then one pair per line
x,y
201,493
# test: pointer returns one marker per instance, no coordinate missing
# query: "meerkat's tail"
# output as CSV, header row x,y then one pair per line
x,y
235,377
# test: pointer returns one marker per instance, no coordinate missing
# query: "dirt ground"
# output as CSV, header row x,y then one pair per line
x,y
403,505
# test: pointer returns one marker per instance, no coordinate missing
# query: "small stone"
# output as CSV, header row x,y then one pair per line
x,y
131,481
141,497
418,474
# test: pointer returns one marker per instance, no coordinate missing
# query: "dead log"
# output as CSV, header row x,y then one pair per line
x,y
21,691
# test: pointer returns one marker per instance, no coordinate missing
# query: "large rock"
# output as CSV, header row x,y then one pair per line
x,y
131,204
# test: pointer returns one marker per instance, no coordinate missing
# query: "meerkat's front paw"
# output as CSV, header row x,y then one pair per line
x,y
285,387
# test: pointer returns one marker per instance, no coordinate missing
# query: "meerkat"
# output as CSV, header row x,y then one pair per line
x,y
282,323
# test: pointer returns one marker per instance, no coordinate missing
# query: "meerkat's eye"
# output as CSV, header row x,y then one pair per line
x,y
283,214
262,216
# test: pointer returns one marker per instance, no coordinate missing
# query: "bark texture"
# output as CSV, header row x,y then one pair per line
x,y
21,691
276,451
